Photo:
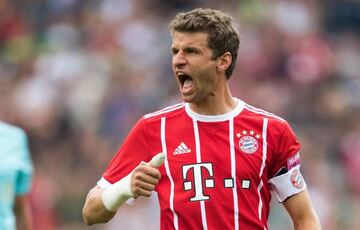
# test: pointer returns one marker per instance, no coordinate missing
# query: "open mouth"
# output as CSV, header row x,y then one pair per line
x,y
185,80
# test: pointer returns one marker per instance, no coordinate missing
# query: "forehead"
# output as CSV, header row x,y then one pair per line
x,y
184,39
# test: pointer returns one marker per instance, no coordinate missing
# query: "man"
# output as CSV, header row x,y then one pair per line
x,y
222,156
15,179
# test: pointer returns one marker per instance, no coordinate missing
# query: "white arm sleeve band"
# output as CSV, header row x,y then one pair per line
x,y
117,194
288,184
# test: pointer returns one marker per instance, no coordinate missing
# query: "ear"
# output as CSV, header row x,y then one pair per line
x,y
223,62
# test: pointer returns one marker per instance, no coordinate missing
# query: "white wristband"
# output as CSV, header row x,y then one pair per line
x,y
117,194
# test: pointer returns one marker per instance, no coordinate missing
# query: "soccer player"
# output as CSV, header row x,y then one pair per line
x,y
222,157
15,179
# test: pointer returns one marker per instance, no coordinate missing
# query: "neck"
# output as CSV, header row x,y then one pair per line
x,y
216,104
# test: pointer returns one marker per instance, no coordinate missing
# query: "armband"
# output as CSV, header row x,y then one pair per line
x,y
288,184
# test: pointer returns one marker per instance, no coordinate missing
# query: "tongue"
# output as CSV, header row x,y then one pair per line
x,y
187,85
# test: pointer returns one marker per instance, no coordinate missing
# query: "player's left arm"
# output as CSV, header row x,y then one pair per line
x,y
287,181
22,208
301,211
23,213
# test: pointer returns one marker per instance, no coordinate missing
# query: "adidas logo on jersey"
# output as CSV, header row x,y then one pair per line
x,y
181,149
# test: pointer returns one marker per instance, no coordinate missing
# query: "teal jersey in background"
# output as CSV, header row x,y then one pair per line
x,y
15,171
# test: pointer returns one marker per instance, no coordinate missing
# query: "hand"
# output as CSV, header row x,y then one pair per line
x,y
146,176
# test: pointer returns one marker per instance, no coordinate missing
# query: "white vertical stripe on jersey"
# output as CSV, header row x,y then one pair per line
x,y
198,160
233,173
168,173
264,132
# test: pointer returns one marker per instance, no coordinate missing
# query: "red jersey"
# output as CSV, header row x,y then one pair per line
x,y
219,170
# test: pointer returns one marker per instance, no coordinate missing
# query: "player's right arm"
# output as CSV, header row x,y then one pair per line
x,y
94,210
102,204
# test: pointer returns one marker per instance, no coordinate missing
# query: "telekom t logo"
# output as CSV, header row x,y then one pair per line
x,y
198,179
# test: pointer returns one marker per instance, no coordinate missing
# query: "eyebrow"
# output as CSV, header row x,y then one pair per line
x,y
192,49
187,49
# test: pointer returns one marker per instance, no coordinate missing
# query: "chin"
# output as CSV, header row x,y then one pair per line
x,y
188,99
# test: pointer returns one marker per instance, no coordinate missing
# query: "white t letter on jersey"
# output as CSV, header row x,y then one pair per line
x,y
198,179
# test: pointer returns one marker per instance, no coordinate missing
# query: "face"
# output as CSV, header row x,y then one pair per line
x,y
193,66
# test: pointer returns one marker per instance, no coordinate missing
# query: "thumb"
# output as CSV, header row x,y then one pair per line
x,y
157,160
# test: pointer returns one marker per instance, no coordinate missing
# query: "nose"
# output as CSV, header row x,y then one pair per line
x,y
179,59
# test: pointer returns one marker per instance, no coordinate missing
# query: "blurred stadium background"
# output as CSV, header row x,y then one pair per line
x,y
77,74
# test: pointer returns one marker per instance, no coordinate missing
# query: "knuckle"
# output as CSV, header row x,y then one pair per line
x,y
147,194
138,176
135,174
137,184
137,191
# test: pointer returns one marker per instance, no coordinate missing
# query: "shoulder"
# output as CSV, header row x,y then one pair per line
x,y
262,114
277,128
273,122
11,137
11,131
166,112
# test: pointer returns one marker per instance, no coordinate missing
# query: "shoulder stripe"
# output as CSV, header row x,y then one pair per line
x,y
165,110
263,112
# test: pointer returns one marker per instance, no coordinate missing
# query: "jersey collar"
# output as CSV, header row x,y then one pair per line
x,y
216,118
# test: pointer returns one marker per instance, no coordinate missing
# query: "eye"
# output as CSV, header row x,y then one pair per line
x,y
190,50
174,51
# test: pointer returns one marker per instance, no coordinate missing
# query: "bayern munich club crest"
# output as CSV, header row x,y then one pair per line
x,y
248,142
296,179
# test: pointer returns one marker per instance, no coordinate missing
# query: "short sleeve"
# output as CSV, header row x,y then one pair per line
x,y
287,146
134,149
25,170
285,177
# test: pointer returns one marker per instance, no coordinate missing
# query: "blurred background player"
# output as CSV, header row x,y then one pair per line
x,y
16,171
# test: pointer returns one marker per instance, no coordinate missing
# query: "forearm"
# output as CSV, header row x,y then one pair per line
x,y
302,212
101,205
310,223
94,210
23,213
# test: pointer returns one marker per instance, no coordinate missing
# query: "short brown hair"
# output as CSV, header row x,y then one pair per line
x,y
222,35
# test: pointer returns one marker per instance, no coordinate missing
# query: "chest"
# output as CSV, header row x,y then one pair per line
x,y
196,143
214,150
